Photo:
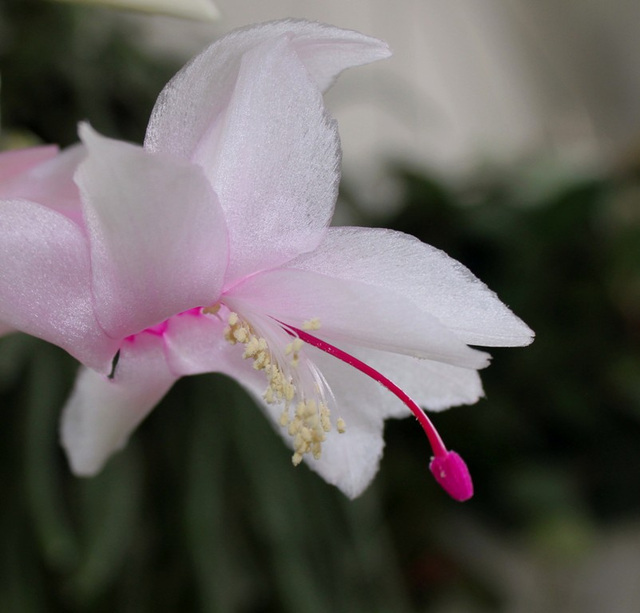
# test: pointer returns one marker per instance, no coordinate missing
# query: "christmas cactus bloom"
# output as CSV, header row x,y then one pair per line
x,y
209,250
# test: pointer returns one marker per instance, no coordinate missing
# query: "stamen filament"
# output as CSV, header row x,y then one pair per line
x,y
447,467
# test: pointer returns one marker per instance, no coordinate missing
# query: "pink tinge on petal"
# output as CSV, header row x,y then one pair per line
x,y
50,183
157,234
451,472
14,163
45,282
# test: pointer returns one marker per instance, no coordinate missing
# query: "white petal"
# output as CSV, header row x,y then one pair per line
x,y
423,275
433,385
351,312
101,412
45,282
274,161
158,237
191,102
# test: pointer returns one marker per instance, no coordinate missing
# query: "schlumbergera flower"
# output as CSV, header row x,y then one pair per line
x,y
208,250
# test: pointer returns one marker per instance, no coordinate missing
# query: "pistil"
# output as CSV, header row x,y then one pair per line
x,y
447,467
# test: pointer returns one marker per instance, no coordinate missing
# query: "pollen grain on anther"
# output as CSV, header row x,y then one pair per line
x,y
306,415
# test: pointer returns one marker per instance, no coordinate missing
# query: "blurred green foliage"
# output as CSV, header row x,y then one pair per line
x,y
203,511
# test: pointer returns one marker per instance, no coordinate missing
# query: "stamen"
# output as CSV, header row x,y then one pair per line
x,y
301,390
447,467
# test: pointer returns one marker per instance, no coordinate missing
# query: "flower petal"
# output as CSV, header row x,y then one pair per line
x,y
51,184
45,282
195,344
16,162
158,237
102,412
192,101
433,385
350,460
351,312
249,111
424,276
275,161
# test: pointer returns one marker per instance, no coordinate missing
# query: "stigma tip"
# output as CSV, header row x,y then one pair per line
x,y
452,474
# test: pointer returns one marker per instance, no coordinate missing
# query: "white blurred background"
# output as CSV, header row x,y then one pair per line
x,y
472,84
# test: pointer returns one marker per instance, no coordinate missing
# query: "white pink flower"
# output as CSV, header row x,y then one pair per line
x,y
208,250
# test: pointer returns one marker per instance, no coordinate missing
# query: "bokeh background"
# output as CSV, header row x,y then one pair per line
x,y
506,132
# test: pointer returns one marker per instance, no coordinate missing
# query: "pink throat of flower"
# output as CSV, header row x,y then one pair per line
x,y
447,467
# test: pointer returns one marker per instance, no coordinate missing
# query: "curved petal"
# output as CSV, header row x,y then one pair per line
x,y
192,101
351,312
45,282
102,412
273,159
433,385
195,344
423,275
51,184
157,234
16,162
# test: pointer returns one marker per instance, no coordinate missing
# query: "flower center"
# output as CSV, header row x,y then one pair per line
x,y
303,393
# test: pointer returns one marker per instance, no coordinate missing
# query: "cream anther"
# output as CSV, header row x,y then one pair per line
x,y
310,420
311,324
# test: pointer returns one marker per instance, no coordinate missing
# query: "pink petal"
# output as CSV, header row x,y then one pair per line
x,y
51,184
351,312
158,237
195,344
16,162
192,101
45,282
101,412
424,276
